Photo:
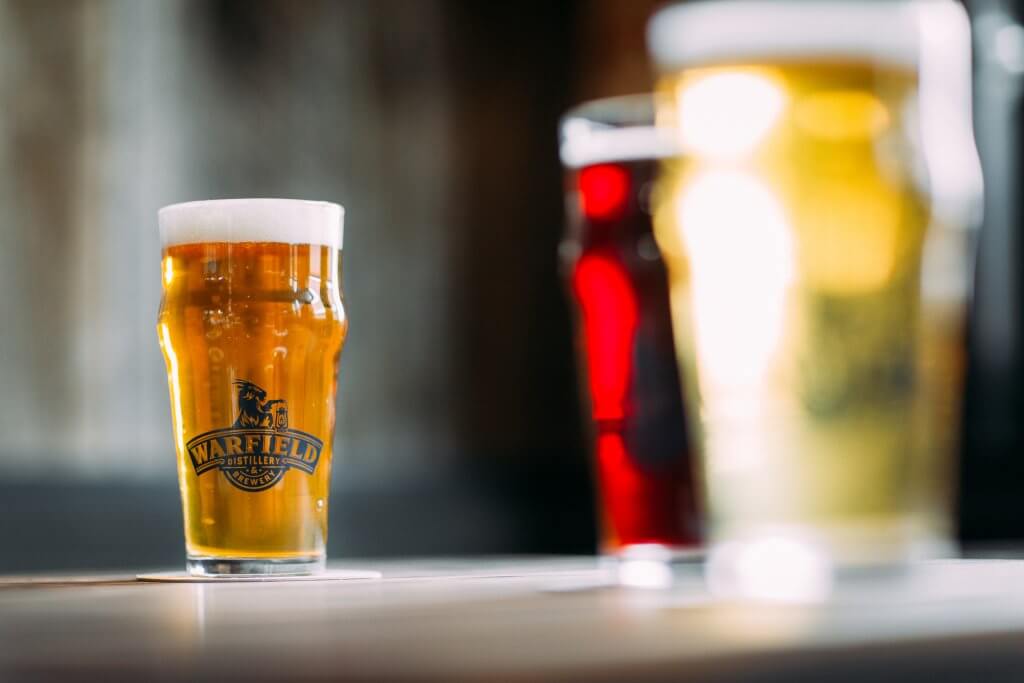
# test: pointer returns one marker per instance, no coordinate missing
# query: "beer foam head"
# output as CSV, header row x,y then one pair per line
x,y
613,129
292,221
717,31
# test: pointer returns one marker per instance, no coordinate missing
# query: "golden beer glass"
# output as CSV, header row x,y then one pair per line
x,y
251,326
816,230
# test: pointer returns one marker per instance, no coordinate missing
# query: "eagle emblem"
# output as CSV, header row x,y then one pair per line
x,y
255,411
259,447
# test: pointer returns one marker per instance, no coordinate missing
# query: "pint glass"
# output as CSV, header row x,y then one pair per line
x,y
819,265
251,325
642,457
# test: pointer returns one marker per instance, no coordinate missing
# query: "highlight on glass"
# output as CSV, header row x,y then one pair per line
x,y
251,325
611,151
816,226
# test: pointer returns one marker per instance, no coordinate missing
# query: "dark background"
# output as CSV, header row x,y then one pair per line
x,y
992,475
434,123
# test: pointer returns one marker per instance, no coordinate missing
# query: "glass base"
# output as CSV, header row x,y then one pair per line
x,y
815,564
656,566
248,566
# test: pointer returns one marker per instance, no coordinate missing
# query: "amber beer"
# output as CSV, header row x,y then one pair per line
x,y
817,297
251,326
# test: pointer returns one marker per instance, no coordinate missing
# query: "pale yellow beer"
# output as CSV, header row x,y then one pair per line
x,y
817,301
251,326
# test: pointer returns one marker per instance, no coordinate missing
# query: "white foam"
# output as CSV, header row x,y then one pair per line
x,y
730,30
596,146
614,129
291,221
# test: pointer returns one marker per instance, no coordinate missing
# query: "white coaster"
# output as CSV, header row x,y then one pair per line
x,y
329,575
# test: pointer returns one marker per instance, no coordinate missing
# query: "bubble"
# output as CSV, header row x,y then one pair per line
x,y
647,248
216,354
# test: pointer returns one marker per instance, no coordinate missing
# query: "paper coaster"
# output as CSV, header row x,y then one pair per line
x,y
329,575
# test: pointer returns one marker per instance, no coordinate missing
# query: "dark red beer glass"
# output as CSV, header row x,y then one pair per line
x,y
643,456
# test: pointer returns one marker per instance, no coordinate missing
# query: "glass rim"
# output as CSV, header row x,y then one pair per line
x,y
882,31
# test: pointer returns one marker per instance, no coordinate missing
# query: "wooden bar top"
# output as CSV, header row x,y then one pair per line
x,y
510,619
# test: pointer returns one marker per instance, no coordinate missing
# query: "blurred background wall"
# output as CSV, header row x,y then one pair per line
x,y
434,123
992,472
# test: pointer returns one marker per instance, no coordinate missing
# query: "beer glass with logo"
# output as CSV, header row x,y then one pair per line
x,y
611,150
816,229
251,325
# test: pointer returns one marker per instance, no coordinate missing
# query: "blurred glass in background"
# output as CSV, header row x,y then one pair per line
x,y
817,227
643,463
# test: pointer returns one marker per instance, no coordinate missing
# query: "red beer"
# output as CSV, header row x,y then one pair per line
x,y
642,451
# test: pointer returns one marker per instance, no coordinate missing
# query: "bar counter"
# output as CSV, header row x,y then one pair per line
x,y
510,619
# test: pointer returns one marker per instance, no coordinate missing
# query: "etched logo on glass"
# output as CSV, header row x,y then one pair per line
x,y
255,451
